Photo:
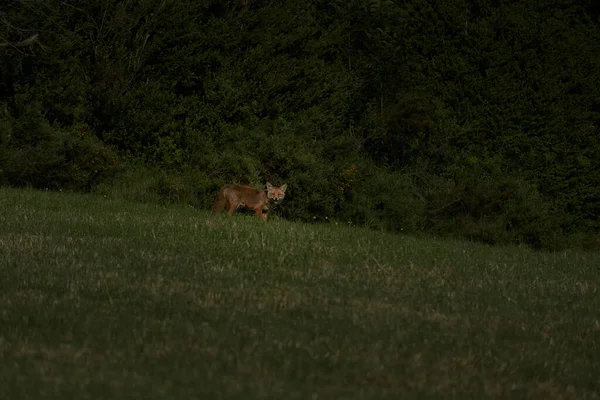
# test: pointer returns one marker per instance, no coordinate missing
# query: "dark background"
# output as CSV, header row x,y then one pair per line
x,y
474,119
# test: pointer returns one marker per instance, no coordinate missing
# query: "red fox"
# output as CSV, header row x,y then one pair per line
x,y
236,196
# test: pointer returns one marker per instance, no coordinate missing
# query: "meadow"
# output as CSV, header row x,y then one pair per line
x,y
102,298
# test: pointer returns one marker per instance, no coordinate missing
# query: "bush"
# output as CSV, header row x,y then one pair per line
x,y
36,154
380,199
493,209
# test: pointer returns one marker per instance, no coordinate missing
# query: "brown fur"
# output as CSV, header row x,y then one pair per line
x,y
233,197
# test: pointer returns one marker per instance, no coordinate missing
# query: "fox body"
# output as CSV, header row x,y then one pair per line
x,y
233,197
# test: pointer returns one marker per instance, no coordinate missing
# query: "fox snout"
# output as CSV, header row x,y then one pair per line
x,y
277,196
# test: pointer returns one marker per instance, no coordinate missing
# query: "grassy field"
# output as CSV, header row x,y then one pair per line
x,y
112,300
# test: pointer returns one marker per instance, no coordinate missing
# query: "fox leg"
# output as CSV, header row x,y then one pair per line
x,y
220,202
260,214
233,203
231,208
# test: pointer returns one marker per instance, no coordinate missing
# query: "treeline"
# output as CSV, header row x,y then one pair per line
x,y
477,119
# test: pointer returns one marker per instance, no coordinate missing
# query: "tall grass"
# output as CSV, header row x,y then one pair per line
x,y
110,299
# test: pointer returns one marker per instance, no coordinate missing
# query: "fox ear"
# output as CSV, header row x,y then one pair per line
x,y
269,186
283,187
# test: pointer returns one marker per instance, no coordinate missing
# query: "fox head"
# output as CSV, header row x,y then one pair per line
x,y
276,193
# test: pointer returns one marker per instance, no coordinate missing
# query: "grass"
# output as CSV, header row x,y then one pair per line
x,y
108,299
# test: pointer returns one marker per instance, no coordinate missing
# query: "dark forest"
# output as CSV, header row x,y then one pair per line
x,y
472,119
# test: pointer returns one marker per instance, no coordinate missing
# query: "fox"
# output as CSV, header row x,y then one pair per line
x,y
236,196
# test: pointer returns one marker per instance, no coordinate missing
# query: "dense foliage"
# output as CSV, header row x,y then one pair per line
x,y
478,119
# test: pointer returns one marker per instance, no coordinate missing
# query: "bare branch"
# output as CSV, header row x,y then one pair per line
x,y
30,41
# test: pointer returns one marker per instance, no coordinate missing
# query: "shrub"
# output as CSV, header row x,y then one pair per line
x,y
492,209
36,154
